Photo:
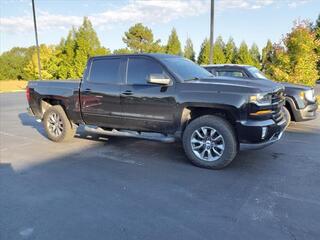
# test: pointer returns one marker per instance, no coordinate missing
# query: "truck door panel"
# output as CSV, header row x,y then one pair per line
x,y
100,93
147,107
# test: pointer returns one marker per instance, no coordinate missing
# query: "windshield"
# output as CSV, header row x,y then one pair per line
x,y
186,69
256,73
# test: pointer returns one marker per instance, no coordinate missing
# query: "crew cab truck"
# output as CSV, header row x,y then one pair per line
x,y
300,101
214,118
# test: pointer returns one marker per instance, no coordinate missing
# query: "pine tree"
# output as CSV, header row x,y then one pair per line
x,y
64,57
140,39
173,46
218,51
188,50
87,45
230,51
203,57
243,56
255,55
266,59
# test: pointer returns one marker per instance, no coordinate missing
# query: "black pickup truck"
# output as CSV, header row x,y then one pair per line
x,y
300,101
214,118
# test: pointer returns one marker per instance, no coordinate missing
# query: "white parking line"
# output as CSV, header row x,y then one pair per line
x,y
13,135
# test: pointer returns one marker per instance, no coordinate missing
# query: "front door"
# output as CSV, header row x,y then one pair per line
x,y
145,106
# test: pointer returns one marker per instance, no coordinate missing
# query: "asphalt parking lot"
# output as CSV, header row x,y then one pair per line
x,y
122,188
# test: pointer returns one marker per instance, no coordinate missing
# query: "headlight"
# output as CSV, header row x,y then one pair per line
x,y
309,95
261,99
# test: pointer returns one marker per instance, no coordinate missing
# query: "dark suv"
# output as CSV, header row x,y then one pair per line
x,y
301,103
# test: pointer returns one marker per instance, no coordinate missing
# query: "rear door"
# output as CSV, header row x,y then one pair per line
x,y
145,106
100,92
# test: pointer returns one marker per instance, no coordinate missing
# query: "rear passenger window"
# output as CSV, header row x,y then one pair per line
x,y
230,74
139,70
105,71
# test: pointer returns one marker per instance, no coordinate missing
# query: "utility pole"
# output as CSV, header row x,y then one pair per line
x,y
211,31
36,35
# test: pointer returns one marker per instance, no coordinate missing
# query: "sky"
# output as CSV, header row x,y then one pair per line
x,y
248,20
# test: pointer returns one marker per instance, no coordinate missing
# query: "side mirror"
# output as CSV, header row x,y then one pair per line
x,y
159,79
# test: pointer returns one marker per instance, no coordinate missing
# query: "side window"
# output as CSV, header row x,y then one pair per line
x,y
238,74
212,70
139,70
105,71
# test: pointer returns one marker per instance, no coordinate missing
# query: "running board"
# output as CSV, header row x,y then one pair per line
x,y
126,133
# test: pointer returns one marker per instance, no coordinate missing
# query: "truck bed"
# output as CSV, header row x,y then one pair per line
x,y
65,91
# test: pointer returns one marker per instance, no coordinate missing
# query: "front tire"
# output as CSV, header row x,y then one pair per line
x,y
287,115
210,142
57,125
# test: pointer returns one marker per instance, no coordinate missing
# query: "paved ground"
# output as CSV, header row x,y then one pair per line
x,y
122,188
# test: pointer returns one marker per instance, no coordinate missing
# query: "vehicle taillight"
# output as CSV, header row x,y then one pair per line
x,y
28,94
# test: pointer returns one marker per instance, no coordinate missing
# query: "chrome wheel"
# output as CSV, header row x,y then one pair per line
x,y
207,144
55,124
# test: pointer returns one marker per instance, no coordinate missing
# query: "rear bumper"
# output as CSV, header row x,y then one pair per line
x,y
259,134
30,112
307,113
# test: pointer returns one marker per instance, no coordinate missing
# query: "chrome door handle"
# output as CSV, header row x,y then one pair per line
x,y
127,93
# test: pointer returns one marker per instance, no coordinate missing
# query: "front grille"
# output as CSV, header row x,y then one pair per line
x,y
277,104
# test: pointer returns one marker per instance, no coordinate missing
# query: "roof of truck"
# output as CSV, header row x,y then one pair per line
x,y
226,65
155,55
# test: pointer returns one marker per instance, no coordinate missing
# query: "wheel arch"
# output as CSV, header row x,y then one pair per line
x,y
46,103
290,105
191,112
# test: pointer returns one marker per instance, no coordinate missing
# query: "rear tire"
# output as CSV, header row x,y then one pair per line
x,y
210,142
57,125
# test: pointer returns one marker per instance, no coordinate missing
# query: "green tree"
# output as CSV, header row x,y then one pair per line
x,y
267,57
280,67
244,56
296,62
317,27
188,50
230,51
316,30
63,60
173,46
13,62
218,51
140,39
255,56
203,57
87,44
32,68
122,51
